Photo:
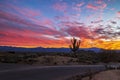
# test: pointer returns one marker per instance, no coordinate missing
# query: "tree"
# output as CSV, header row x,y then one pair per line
x,y
75,44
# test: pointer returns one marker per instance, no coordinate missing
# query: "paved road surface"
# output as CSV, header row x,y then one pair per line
x,y
25,72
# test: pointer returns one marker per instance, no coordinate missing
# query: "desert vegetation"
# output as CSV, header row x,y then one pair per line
x,y
56,58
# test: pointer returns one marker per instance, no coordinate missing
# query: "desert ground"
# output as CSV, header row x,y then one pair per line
x,y
57,66
106,75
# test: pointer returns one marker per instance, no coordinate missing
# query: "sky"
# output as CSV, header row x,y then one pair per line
x,y
52,23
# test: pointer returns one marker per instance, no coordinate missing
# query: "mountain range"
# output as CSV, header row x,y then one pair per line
x,y
41,49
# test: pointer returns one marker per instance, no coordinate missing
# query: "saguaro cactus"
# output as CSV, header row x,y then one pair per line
x,y
75,44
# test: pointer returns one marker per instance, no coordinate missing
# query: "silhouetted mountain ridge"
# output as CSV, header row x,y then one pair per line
x,y
41,49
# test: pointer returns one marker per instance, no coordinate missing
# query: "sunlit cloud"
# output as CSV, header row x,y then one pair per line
x,y
53,23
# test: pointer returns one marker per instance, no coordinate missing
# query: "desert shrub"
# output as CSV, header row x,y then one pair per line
x,y
55,63
107,57
87,57
48,59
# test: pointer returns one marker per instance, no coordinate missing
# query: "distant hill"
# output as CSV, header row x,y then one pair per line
x,y
38,49
41,49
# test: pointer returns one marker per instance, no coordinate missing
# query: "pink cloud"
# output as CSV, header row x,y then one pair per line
x,y
25,11
118,15
17,36
21,21
27,23
21,15
99,1
60,6
30,13
24,14
90,6
118,12
47,22
76,29
13,18
80,31
88,32
80,4
103,6
23,25
94,7
72,24
77,7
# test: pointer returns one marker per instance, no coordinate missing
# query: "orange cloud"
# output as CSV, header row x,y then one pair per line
x,y
112,45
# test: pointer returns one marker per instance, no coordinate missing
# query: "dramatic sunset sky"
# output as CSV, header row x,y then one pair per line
x,y
52,23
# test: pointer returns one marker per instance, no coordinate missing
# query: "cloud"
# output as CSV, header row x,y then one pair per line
x,y
107,32
13,18
118,15
99,30
91,6
80,4
71,24
44,26
103,6
97,7
99,21
60,6
113,22
18,37
39,35
118,12
30,13
17,30
30,26
99,1
76,29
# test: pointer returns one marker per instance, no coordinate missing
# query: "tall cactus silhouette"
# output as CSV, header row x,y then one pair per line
x,y
75,44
